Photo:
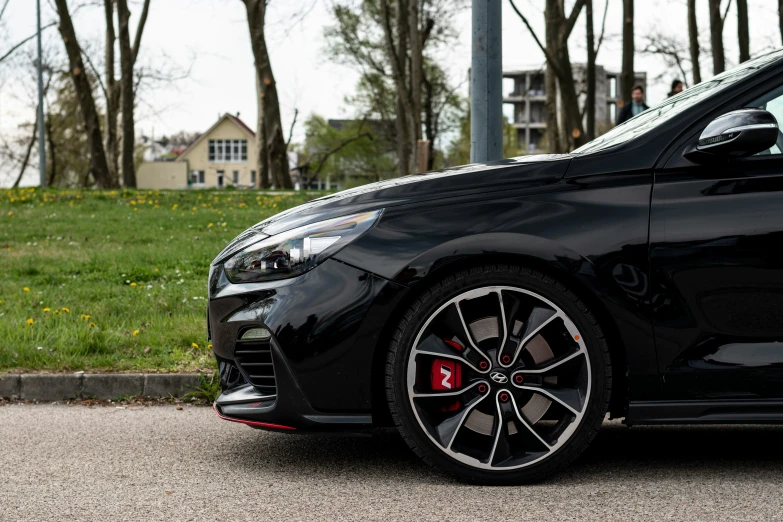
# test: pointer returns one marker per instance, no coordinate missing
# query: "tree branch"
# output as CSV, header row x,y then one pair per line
x,y
291,130
725,14
571,21
603,29
20,44
139,30
2,11
330,152
549,57
97,74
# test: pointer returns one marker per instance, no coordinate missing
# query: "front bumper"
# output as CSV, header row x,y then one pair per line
x,y
315,372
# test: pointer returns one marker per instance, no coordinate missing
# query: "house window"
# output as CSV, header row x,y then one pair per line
x,y
227,151
235,177
253,177
220,177
197,177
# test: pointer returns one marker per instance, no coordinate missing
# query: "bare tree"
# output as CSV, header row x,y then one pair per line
x,y
273,127
716,35
627,76
592,56
127,59
559,28
693,41
111,92
99,168
262,154
590,98
743,33
671,49
397,53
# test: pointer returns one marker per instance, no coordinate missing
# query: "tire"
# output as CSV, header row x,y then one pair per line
x,y
515,450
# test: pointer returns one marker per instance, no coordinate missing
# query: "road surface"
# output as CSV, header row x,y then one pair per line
x,y
62,462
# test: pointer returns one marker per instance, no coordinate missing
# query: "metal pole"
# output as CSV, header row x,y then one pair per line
x,y
41,145
486,82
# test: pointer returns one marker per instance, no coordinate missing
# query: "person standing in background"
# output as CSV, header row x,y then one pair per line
x,y
676,88
636,106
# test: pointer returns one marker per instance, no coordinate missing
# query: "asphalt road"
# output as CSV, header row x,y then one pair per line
x,y
157,463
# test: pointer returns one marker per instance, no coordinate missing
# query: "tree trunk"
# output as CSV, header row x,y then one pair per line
x,y
430,128
99,168
402,100
590,98
112,94
275,142
30,145
128,97
52,152
693,41
417,60
743,32
262,160
716,37
554,143
780,18
627,76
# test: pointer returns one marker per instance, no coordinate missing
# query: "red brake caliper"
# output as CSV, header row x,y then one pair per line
x,y
446,375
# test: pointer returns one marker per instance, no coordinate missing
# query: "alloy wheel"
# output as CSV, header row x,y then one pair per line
x,y
498,378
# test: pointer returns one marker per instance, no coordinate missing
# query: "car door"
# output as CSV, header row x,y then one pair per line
x,y
716,261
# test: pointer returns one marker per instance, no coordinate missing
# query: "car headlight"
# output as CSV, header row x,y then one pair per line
x,y
296,251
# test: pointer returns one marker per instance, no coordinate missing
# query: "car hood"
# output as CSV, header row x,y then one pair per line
x,y
456,181
470,179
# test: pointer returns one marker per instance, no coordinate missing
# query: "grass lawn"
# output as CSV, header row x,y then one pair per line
x,y
115,280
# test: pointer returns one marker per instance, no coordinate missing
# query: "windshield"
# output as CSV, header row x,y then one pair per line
x,y
671,107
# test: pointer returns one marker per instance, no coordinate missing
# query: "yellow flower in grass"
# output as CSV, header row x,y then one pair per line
x,y
85,317
194,345
133,284
135,333
92,325
66,310
47,310
30,322
26,289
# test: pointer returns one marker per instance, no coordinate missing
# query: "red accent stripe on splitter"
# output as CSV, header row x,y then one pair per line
x,y
253,423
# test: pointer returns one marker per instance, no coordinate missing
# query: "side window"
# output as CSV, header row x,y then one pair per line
x,y
772,102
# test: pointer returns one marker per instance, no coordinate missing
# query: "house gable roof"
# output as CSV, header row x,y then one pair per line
x,y
234,119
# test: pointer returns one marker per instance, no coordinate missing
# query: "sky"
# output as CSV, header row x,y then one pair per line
x,y
210,39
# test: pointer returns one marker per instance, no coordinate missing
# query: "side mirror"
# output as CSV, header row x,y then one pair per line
x,y
736,134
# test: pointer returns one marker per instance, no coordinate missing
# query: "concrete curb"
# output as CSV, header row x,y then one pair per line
x,y
60,386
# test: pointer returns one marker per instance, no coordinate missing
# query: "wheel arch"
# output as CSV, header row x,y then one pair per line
x,y
619,395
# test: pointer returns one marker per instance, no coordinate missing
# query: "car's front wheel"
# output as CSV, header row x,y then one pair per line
x,y
498,375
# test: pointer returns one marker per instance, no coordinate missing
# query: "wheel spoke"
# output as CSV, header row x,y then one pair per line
x,y
435,347
552,364
447,430
453,320
501,446
523,421
569,398
536,321
435,394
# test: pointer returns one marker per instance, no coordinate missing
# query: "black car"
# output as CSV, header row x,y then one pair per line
x,y
496,313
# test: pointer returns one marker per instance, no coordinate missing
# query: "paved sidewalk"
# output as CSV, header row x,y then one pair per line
x,y
157,463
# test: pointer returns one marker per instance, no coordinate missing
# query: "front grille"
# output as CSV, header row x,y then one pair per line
x,y
230,376
254,359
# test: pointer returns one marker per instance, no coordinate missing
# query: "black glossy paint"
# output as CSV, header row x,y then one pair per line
x,y
678,260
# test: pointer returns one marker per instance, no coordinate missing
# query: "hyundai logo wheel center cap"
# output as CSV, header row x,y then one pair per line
x,y
498,377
